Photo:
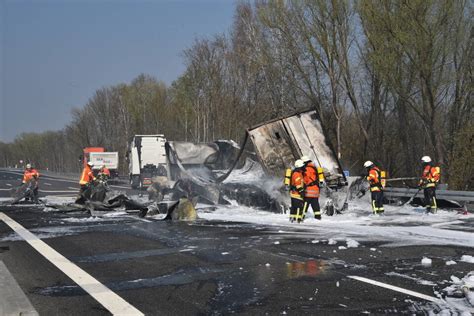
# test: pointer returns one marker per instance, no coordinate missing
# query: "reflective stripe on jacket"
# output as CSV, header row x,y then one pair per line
x,y
311,179
432,175
374,179
30,174
86,176
296,184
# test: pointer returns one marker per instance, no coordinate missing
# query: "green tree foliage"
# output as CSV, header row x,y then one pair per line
x,y
461,170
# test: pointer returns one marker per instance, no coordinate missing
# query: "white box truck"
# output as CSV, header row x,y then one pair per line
x,y
108,159
147,159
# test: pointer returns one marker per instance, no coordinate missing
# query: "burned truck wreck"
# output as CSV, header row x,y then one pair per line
x,y
250,174
223,172
280,142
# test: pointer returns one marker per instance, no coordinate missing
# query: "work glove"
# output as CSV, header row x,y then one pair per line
x,y
423,182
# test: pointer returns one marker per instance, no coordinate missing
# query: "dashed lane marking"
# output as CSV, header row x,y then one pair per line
x,y
48,177
46,183
396,288
63,191
369,281
118,186
102,294
8,184
73,181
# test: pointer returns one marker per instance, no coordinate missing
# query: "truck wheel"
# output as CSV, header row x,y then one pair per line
x,y
134,182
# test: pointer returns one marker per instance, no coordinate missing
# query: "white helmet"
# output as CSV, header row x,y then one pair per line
x,y
426,159
305,158
90,164
368,164
299,163
28,166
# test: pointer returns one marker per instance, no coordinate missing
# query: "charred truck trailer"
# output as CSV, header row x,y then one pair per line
x,y
278,143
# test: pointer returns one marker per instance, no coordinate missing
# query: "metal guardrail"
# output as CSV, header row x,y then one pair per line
x,y
459,196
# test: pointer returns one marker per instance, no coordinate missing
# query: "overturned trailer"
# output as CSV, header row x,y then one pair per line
x,y
196,169
278,143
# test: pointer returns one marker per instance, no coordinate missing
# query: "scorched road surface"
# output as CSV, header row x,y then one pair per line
x,y
214,267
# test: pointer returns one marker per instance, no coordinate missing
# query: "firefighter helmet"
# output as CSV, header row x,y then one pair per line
x,y
305,158
90,164
28,166
299,163
426,159
368,164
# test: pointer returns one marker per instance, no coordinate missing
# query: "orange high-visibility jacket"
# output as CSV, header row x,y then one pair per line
x,y
311,180
105,171
374,179
296,184
30,174
432,175
86,176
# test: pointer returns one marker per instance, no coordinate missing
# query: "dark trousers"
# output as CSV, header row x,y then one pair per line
x,y
84,194
296,210
377,202
33,195
430,199
314,203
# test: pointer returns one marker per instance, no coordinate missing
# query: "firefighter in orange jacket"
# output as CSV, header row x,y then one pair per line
x,y
296,192
87,176
30,174
429,181
374,178
311,191
104,173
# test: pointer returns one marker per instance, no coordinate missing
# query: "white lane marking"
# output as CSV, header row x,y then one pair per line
x,y
59,191
120,187
5,189
50,178
64,180
102,294
446,223
396,289
8,184
73,188
63,196
46,183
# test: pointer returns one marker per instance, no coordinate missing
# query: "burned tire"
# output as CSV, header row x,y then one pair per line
x,y
134,182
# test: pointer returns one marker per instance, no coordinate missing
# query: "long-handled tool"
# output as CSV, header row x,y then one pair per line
x,y
413,197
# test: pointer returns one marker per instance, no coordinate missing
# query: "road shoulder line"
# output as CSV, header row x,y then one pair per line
x,y
13,300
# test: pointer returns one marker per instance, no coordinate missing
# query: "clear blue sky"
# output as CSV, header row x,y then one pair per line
x,y
55,53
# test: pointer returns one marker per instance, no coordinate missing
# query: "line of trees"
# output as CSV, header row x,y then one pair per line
x,y
391,80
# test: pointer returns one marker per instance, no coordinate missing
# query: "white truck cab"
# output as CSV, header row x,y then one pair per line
x,y
147,159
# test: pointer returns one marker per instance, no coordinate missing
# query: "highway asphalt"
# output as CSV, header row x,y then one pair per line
x,y
205,267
